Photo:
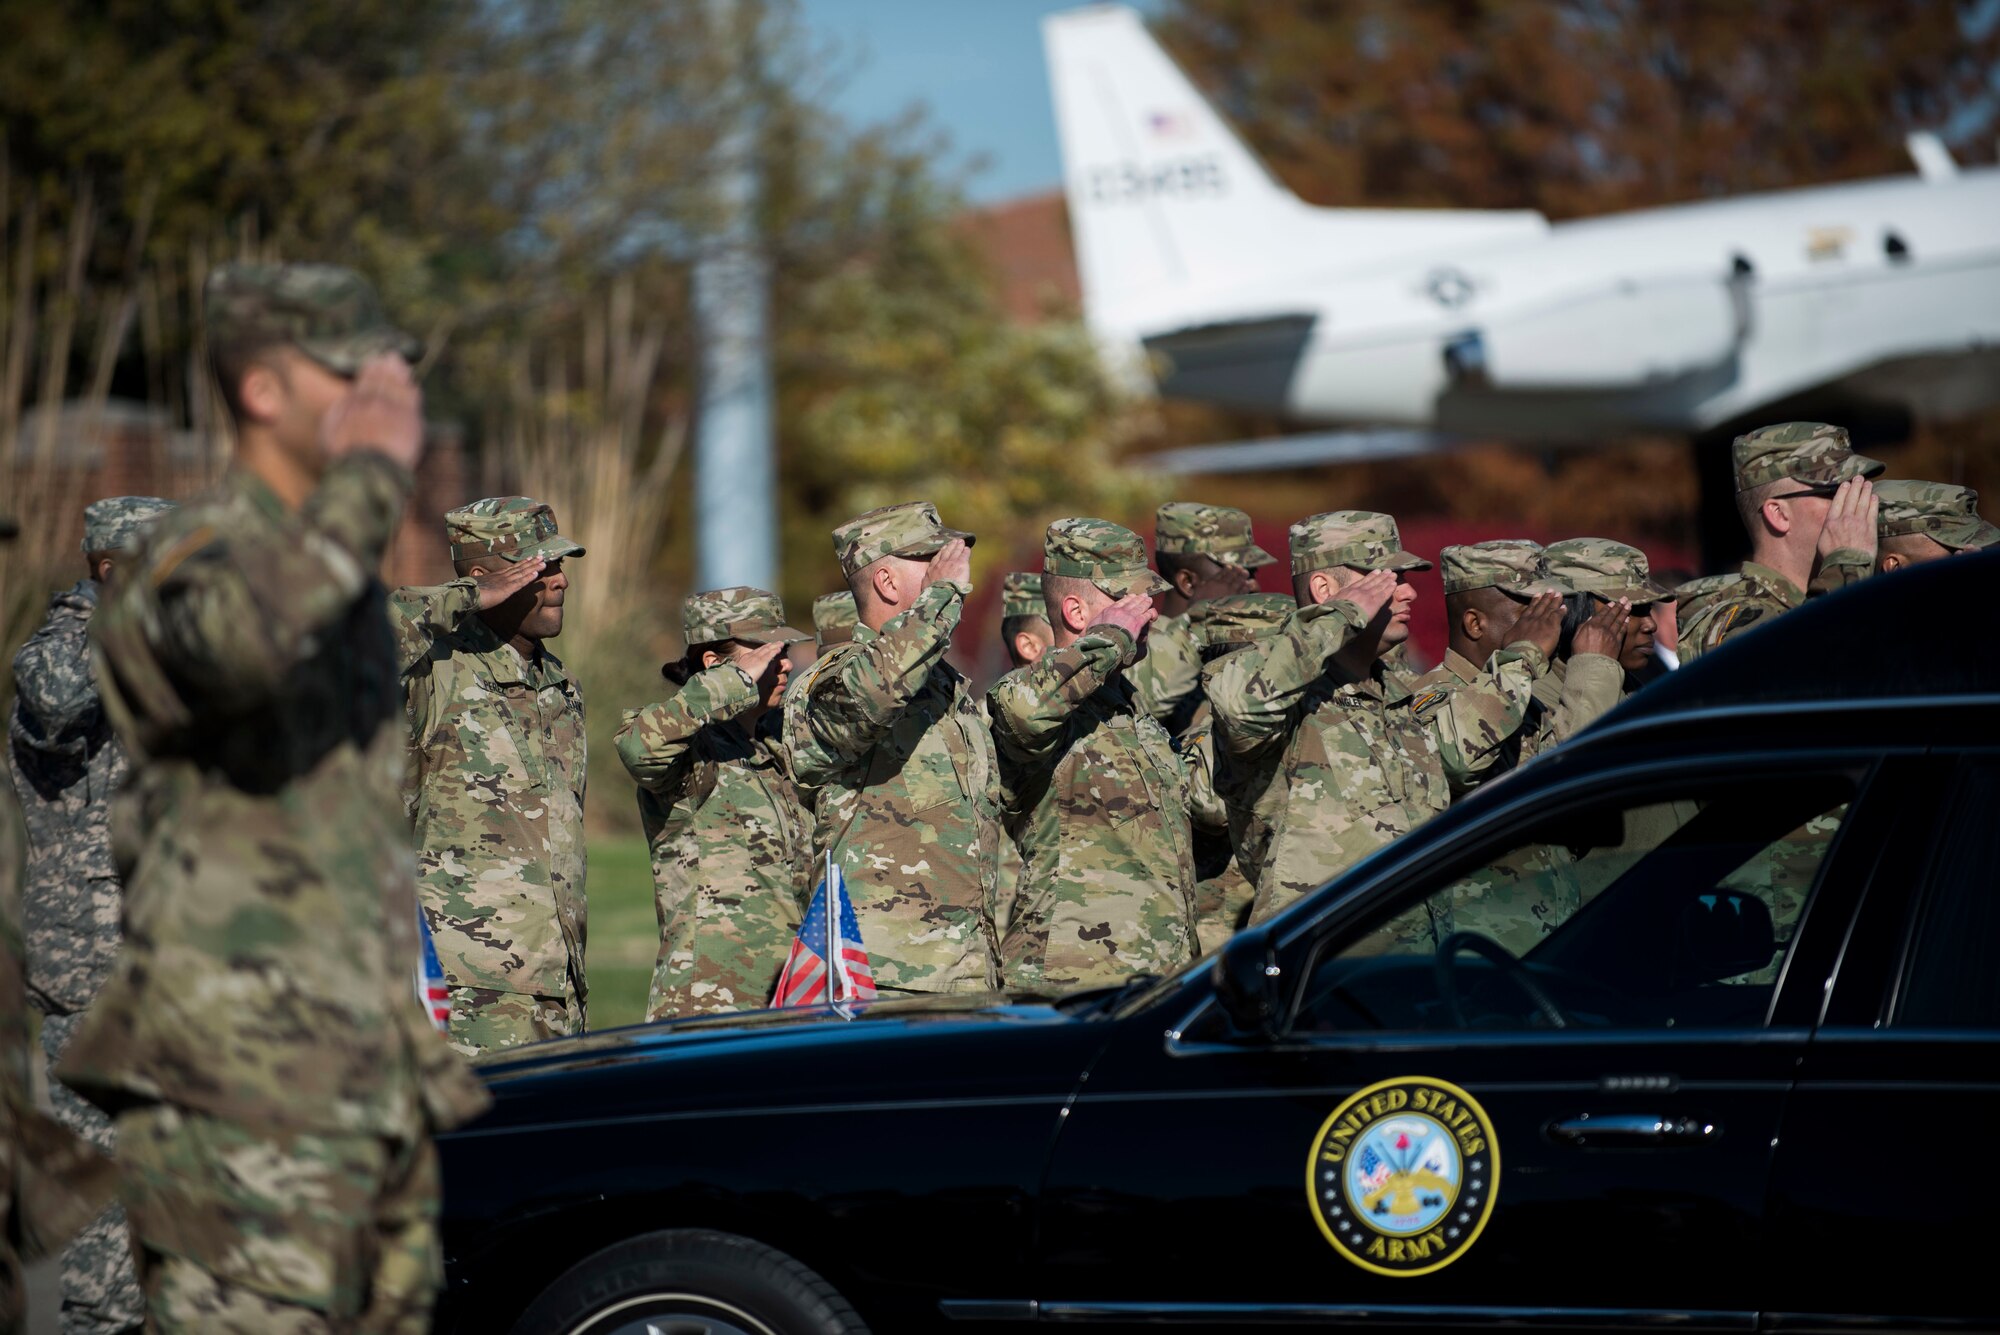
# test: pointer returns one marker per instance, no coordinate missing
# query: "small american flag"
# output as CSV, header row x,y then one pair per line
x,y
1374,1171
432,994
808,980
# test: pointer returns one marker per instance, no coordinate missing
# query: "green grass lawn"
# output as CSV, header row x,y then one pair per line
x,y
624,937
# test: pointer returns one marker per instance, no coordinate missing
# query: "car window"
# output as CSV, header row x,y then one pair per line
x,y
1664,911
1949,980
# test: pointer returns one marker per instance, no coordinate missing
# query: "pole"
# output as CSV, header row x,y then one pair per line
x,y
736,531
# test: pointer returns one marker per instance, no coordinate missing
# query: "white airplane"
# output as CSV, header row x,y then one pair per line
x,y
1869,301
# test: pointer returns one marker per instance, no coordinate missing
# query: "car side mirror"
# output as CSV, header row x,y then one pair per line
x,y
1724,933
1246,983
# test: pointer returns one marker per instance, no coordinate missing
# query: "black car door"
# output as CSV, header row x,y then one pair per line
x,y
1532,1072
1885,1165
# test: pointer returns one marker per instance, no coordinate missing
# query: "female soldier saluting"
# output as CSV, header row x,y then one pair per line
x,y
731,842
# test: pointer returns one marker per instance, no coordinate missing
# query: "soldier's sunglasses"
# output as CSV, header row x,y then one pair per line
x,y
1824,489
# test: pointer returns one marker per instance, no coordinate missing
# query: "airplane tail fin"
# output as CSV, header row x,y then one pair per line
x,y
1167,203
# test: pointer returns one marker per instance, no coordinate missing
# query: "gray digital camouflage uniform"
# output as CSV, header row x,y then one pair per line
x,y
731,841
1099,798
494,786
1814,455
894,748
1360,763
276,1083
67,764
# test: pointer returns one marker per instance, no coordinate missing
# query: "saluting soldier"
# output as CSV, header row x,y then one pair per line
x,y
1806,502
1921,522
274,1083
1099,798
1221,793
67,764
893,746
1503,620
496,776
1360,766
1204,551
731,840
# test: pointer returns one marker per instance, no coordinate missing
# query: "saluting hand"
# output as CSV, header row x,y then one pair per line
x,y
497,586
1131,614
1851,521
383,411
953,561
1371,593
1541,624
1603,633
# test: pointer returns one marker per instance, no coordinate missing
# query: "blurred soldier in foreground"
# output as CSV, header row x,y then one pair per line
x,y
52,1181
67,764
1024,623
1810,512
1503,618
1359,766
1221,798
891,742
496,776
730,839
275,1084
1928,521
1205,551
1100,799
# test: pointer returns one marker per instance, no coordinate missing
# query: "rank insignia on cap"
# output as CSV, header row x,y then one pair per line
x,y
1402,1177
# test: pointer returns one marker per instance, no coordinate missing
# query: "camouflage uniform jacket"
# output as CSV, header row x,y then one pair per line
x,y
270,901
1223,891
894,748
1101,808
67,764
731,843
1477,721
1575,693
1171,670
494,786
1359,765
1724,606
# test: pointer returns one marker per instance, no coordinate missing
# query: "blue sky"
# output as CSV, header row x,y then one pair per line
x,y
977,64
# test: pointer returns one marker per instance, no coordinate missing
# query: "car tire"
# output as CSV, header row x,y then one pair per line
x,y
689,1282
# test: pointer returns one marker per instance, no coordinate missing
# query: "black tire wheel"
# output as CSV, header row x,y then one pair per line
x,y
689,1281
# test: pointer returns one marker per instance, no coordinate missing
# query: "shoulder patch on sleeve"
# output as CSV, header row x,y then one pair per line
x,y
1735,616
171,557
1430,699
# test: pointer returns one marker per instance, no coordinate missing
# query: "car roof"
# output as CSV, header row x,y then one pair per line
x,y
1920,632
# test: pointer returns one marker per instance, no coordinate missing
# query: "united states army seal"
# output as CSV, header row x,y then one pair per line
x,y
1403,1175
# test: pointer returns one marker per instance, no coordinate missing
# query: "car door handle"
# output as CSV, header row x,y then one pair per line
x,y
1633,1131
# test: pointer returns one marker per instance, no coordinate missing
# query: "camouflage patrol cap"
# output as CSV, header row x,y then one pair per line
x,y
1947,515
1021,595
1358,538
1219,532
1605,568
834,618
1512,564
1240,618
329,313
910,529
1108,555
753,616
513,528
1809,452
116,523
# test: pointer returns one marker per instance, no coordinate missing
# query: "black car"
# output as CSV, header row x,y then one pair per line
x,y
1734,1064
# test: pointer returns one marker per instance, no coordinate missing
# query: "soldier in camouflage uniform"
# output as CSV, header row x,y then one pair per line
x,y
1804,496
1928,521
1099,800
67,764
730,838
1205,551
893,746
1593,667
1024,623
274,1082
1359,764
496,775
1221,799
1503,619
